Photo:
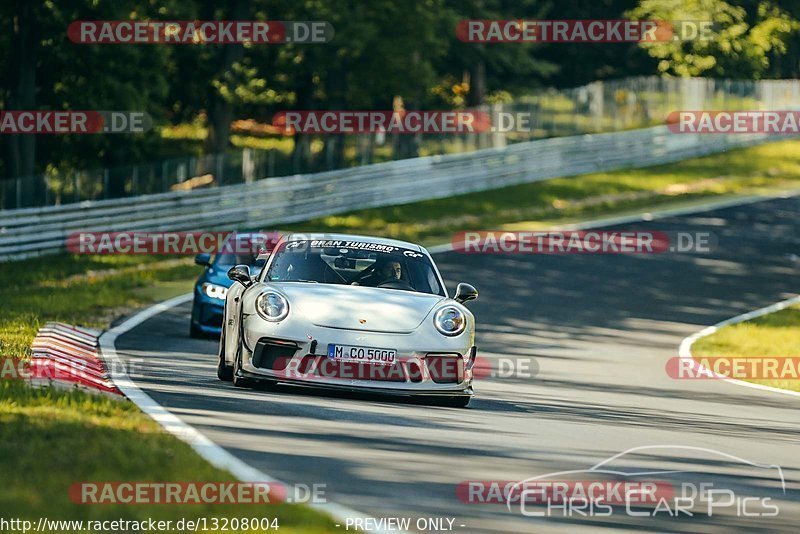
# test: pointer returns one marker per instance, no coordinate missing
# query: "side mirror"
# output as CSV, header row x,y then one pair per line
x,y
465,292
241,274
203,259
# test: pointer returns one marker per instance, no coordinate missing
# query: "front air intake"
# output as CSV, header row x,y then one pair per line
x,y
273,354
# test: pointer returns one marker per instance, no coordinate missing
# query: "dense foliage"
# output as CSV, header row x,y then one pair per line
x,y
384,52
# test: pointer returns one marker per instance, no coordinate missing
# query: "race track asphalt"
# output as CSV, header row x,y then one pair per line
x,y
599,329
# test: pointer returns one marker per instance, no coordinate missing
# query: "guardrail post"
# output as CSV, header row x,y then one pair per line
x,y
314,195
271,163
498,138
248,165
219,165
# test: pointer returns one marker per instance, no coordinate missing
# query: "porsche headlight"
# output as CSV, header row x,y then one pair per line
x,y
214,291
450,321
272,306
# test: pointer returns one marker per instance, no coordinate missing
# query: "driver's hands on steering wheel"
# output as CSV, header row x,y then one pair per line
x,y
395,283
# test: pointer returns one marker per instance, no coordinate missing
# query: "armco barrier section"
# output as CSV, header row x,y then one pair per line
x,y
267,203
66,356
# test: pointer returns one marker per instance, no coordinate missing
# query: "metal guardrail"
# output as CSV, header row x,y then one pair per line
x,y
601,106
267,203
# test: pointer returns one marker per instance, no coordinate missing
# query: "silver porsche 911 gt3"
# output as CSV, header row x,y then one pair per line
x,y
349,312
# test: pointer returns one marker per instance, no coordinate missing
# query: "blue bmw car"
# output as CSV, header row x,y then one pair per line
x,y
211,287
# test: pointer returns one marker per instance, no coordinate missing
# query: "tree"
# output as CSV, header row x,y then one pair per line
x,y
744,40
21,90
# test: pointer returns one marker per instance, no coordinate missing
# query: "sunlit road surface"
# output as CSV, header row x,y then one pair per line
x,y
600,328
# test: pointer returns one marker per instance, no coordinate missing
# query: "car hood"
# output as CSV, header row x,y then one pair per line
x,y
217,275
358,308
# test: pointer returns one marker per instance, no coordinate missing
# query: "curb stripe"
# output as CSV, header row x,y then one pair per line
x,y
210,451
685,350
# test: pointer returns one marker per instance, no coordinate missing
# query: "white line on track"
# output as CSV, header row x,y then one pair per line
x,y
685,350
210,451
652,215
219,457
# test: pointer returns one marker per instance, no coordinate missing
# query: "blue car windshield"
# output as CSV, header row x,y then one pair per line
x,y
357,263
224,260
231,259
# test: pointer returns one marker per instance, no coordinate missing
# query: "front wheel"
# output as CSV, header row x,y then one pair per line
x,y
238,380
195,332
224,371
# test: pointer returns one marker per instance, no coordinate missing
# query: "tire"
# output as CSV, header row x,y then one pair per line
x,y
240,381
224,371
455,402
195,332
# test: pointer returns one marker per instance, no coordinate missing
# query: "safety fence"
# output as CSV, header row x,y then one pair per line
x,y
266,204
603,106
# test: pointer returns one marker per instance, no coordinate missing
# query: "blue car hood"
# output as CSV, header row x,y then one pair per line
x,y
218,274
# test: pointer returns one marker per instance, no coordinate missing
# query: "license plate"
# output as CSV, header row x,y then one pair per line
x,y
349,353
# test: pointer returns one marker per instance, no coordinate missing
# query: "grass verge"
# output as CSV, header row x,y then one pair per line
x,y
50,439
776,334
755,170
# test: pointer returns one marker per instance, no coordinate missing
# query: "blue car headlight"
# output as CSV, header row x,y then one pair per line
x,y
214,291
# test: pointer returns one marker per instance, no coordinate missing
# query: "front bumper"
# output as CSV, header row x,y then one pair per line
x,y
363,388
207,314
423,367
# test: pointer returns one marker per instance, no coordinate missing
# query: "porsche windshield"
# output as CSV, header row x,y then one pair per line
x,y
357,263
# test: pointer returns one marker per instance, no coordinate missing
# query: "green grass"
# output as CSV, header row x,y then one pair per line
x,y
50,439
776,334
91,438
86,290
533,206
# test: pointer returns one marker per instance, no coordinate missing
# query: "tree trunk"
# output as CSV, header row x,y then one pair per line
x,y
301,151
407,145
21,149
477,84
221,111
335,143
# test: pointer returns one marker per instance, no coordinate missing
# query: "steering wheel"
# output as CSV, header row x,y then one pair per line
x,y
326,277
359,277
394,283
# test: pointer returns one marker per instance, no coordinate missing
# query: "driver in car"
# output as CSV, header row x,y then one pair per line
x,y
385,271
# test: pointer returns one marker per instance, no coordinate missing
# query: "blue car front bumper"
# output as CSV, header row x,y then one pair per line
x,y
207,314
